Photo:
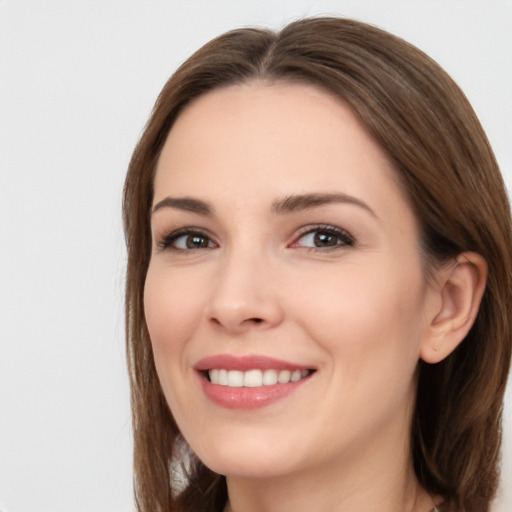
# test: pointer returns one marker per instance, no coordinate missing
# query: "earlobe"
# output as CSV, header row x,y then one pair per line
x,y
462,285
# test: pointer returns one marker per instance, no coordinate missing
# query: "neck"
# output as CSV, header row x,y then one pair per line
x,y
302,494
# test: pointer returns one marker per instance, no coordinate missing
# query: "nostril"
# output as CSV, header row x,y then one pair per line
x,y
255,320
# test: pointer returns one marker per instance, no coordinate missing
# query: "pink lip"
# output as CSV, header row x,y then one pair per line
x,y
245,363
246,398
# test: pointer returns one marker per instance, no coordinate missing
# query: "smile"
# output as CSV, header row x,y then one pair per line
x,y
254,378
249,382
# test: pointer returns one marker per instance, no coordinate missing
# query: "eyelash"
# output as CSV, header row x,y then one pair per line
x,y
345,239
167,241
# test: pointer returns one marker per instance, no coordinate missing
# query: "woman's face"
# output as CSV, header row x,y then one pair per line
x,y
283,250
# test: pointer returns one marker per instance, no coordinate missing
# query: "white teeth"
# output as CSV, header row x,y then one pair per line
x,y
296,375
284,376
269,377
223,377
235,379
214,375
254,378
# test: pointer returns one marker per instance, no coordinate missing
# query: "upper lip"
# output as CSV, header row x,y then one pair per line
x,y
245,363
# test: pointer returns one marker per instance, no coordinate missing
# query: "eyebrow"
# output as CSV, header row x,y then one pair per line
x,y
302,202
187,204
290,204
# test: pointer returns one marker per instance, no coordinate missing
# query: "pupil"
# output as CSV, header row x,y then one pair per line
x,y
325,240
195,241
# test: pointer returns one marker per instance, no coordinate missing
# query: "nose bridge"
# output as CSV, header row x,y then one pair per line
x,y
244,294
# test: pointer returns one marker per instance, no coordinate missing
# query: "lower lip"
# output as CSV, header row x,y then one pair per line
x,y
248,398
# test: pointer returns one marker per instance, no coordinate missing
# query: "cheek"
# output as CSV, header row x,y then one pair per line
x,y
171,308
368,320
370,329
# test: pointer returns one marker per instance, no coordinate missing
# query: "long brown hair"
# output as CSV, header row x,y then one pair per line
x,y
425,124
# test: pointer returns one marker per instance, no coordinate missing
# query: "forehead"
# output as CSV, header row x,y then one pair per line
x,y
269,140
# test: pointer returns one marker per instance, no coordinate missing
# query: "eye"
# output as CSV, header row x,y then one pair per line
x,y
324,237
185,240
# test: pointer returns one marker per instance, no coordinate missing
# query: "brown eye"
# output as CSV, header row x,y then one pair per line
x,y
187,240
328,237
196,241
325,239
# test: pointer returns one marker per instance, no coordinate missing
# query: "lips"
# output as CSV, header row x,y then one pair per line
x,y
249,382
245,363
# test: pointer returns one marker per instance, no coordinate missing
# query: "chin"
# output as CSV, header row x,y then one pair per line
x,y
251,458
256,469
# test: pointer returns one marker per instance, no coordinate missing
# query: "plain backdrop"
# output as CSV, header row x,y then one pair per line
x,y
77,82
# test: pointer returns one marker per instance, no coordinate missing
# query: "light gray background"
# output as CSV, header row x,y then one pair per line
x,y
77,82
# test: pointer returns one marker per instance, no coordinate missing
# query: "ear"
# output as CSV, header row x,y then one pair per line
x,y
461,287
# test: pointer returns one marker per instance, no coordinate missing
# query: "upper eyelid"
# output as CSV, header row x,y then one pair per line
x,y
345,239
325,227
161,240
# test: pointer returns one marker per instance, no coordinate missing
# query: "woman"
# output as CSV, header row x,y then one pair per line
x,y
319,281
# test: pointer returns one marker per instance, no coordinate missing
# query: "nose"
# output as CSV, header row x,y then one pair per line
x,y
245,295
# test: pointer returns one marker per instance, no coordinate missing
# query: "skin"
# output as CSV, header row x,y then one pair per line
x,y
360,313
